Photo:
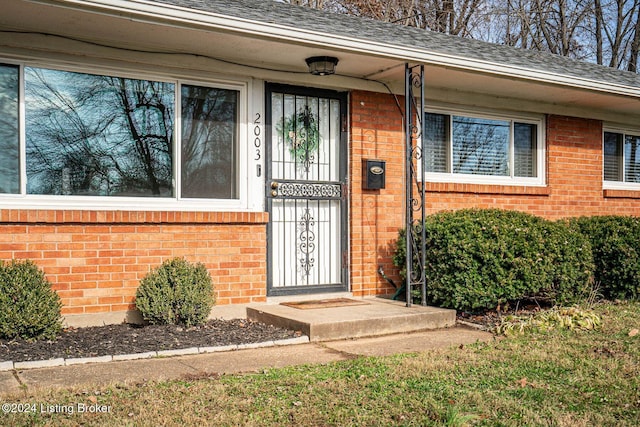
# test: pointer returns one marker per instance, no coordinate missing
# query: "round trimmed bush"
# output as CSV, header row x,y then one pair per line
x,y
177,293
29,308
480,258
616,251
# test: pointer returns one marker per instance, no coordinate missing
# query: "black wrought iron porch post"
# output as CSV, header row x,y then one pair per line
x,y
414,180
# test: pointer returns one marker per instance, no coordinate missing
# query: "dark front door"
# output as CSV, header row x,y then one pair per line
x,y
306,190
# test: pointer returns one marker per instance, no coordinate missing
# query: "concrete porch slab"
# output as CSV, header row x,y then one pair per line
x,y
377,317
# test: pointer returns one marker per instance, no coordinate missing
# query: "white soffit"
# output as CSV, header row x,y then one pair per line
x,y
192,18
143,25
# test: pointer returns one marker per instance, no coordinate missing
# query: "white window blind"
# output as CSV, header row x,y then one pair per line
x,y
525,137
613,156
436,157
621,157
632,158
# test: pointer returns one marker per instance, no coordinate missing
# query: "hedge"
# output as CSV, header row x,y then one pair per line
x,y
480,258
615,242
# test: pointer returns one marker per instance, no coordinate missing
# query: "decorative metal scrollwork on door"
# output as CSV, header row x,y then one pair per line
x,y
306,241
306,190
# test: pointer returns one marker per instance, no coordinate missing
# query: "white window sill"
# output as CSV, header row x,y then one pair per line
x,y
65,203
625,186
483,180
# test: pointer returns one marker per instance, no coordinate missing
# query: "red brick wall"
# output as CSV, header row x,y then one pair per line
x,y
95,259
574,185
376,215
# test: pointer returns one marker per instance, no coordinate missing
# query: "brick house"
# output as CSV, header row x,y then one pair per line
x,y
136,131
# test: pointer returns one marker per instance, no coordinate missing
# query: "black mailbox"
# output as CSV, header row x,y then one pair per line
x,y
373,172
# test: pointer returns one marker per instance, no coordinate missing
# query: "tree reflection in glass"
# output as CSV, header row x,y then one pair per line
x,y
97,135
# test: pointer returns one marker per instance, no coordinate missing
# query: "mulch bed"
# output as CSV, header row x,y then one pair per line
x,y
128,339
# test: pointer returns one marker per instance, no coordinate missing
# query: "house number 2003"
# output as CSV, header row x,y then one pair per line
x,y
257,133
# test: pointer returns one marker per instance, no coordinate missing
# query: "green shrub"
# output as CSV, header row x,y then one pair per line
x,y
29,308
176,293
480,258
572,257
616,251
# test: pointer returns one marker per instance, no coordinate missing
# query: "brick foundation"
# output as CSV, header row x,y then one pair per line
x,y
95,259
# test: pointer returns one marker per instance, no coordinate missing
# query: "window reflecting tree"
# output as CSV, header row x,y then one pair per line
x,y
480,146
209,140
9,135
97,135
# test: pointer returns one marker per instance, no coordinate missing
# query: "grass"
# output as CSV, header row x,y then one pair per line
x,y
560,378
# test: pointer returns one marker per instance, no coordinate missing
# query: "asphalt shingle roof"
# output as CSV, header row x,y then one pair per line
x,y
368,30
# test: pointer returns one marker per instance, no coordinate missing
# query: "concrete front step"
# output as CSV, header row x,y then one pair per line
x,y
377,317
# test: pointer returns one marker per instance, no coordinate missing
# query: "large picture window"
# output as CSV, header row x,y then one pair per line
x,y
100,135
477,149
621,158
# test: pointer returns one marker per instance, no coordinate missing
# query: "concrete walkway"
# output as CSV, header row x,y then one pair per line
x,y
21,382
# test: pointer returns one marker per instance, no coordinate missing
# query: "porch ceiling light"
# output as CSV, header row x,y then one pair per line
x,y
322,65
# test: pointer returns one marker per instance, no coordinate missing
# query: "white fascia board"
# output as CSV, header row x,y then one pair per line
x,y
183,17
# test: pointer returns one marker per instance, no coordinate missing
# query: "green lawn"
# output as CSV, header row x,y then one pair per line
x,y
562,377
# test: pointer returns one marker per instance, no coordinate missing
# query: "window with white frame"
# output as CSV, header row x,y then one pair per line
x,y
483,149
112,136
621,158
